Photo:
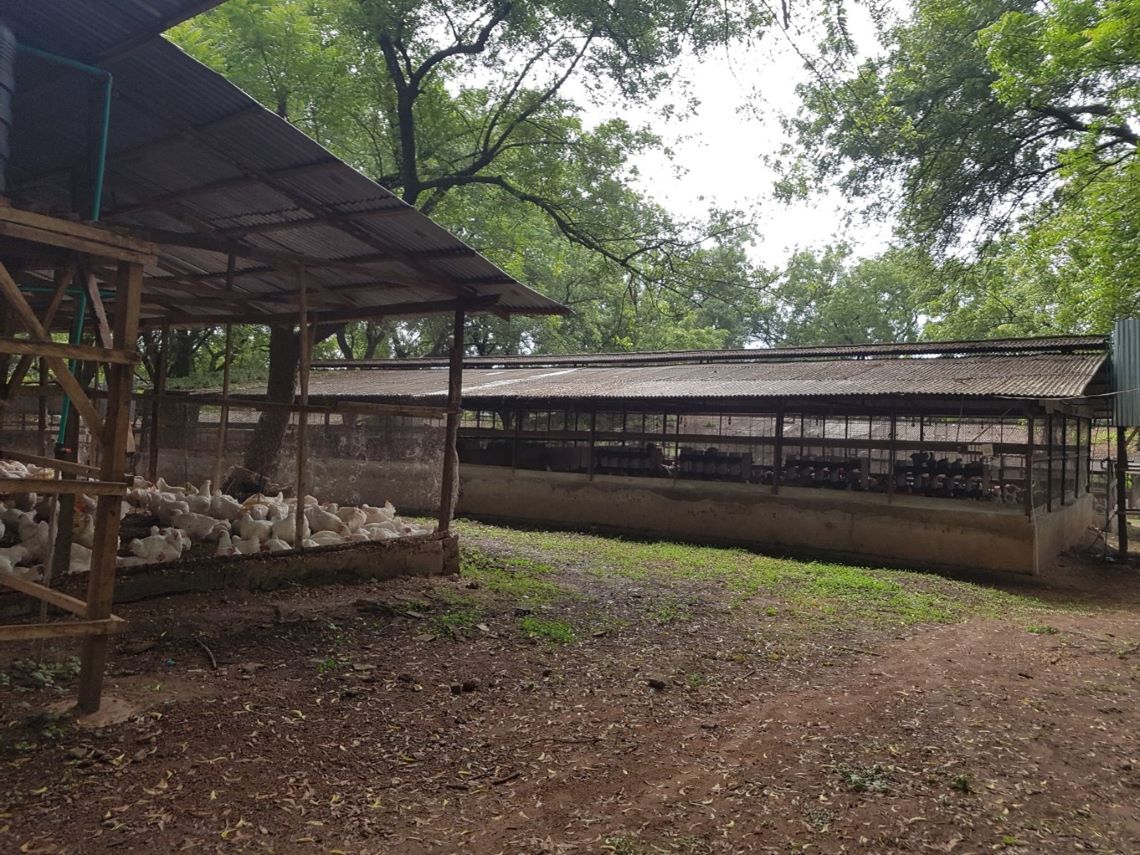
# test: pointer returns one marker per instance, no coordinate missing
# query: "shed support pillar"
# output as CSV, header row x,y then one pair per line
x,y
449,485
112,465
1122,489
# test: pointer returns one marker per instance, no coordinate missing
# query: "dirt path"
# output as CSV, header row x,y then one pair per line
x,y
376,720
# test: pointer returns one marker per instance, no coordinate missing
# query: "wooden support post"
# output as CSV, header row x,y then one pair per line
x,y
450,481
892,446
778,451
116,427
302,415
224,414
1030,443
1049,463
1064,455
593,438
44,421
515,440
156,404
1122,489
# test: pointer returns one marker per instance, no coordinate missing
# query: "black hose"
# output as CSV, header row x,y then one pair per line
x,y
7,91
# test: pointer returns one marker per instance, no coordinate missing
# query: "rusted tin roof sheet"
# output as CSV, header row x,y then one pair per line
x,y
1045,344
197,165
1032,376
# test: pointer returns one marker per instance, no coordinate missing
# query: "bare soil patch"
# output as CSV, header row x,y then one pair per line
x,y
577,694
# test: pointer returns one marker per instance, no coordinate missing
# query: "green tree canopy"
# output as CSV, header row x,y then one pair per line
x,y
1005,129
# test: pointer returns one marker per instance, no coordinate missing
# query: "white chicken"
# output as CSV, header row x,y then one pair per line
x,y
200,526
225,507
225,545
327,538
10,556
286,529
158,547
80,559
34,537
353,518
247,545
249,527
321,520
276,544
379,515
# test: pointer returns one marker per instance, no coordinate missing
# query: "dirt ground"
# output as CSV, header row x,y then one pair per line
x,y
578,694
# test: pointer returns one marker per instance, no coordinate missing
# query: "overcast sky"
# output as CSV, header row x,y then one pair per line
x,y
720,150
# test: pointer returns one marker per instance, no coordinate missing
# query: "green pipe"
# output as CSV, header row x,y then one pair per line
x,y
96,202
76,337
104,131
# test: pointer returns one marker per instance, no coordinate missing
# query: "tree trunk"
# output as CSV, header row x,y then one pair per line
x,y
183,344
265,444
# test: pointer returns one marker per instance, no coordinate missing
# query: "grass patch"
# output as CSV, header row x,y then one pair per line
x,y
457,622
805,590
511,576
552,630
866,779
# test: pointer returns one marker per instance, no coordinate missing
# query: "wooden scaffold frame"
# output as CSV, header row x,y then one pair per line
x,y
68,253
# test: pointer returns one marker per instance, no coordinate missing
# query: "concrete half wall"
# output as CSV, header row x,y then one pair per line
x,y
867,527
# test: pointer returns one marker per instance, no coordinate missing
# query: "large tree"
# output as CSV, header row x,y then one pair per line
x,y
486,110
999,130
831,297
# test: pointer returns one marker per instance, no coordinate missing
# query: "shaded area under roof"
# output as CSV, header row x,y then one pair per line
x,y
1032,377
1018,346
203,169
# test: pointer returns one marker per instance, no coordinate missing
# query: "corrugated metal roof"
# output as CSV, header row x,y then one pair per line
x,y
1043,344
1031,376
97,29
201,167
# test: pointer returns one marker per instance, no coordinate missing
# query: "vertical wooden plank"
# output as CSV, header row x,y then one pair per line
x,y
156,404
101,579
515,440
454,402
1064,455
44,423
1030,450
1122,489
778,451
224,415
302,415
892,448
593,440
1049,463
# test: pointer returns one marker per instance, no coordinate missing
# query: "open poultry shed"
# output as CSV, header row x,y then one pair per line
x,y
973,454
143,191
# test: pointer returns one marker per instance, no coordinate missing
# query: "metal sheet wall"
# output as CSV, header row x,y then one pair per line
x,y
1126,372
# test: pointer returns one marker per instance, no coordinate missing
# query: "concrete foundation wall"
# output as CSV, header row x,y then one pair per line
x,y
909,530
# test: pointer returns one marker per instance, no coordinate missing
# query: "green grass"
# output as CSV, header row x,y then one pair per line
x,y
518,578
802,590
552,630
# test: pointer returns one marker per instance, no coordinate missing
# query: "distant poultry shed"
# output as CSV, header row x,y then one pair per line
x,y
977,454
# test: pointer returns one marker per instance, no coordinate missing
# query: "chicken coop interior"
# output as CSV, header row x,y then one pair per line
x,y
139,190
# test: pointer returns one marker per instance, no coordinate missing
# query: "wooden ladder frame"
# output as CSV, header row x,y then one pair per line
x,y
36,244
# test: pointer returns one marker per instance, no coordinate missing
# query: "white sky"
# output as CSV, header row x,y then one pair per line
x,y
720,150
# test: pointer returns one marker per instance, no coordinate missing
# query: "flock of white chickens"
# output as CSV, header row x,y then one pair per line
x,y
187,516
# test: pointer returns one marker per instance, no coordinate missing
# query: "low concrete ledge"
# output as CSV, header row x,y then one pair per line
x,y
900,530
423,555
